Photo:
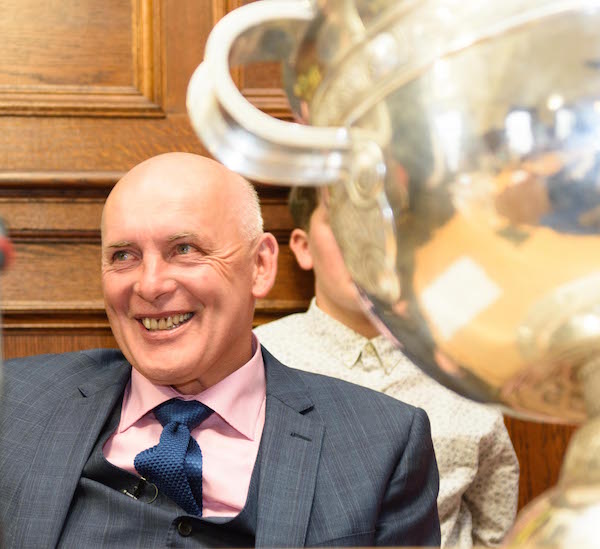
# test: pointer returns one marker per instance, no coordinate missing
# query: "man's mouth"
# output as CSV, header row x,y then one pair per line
x,y
165,323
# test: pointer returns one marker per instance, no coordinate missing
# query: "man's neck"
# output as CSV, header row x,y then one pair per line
x,y
356,320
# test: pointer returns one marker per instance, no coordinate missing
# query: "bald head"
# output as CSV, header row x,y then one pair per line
x,y
181,174
184,260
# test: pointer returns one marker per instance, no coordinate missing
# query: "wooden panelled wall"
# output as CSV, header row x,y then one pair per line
x,y
89,88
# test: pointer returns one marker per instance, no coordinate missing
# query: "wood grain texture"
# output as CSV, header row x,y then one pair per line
x,y
96,77
35,342
540,448
66,42
26,218
90,144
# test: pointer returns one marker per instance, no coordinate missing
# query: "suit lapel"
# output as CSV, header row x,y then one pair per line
x,y
289,456
57,465
290,452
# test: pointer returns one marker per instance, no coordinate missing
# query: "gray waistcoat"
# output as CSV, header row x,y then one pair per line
x,y
113,508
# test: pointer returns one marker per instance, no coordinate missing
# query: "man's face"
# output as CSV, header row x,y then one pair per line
x,y
177,278
335,292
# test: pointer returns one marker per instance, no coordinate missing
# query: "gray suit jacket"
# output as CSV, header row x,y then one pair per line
x,y
340,464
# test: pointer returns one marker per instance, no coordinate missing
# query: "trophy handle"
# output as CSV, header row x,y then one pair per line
x,y
255,144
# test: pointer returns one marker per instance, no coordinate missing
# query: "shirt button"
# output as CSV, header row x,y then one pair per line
x,y
184,528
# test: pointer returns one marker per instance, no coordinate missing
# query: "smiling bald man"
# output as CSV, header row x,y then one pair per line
x,y
192,434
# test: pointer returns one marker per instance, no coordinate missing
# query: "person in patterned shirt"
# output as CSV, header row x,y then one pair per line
x,y
479,471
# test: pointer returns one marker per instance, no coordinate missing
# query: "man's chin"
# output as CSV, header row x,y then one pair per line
x,y
162,378
160,370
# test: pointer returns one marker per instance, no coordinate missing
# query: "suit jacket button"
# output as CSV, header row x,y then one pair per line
x,y
184,528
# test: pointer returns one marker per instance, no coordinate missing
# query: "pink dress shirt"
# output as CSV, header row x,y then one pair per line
x,y
229,438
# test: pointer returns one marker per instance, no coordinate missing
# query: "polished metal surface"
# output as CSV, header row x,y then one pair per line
x,y
459,146
460,142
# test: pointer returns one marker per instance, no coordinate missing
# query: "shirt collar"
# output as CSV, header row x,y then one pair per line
x,y
388,353
348,343
237,399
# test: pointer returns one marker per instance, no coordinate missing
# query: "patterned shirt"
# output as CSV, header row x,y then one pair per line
x,y
479,471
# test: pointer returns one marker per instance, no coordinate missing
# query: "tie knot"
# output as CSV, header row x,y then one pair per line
x,y
187,412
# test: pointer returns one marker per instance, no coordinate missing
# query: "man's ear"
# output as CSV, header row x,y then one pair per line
x,y
299,245
266,265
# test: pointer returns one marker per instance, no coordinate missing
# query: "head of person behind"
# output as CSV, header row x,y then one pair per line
x,y
184,258
313,243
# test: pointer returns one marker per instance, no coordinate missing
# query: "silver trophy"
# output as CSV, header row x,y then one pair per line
x,y
458,145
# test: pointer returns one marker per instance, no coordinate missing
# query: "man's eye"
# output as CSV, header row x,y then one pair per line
x,y
183,249
121,255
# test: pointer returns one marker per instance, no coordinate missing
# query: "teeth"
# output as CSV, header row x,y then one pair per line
x,y
166,323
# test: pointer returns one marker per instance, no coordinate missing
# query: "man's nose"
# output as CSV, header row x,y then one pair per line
x,y
155,280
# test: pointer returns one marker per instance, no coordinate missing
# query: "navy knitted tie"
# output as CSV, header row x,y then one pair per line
x,y
175,463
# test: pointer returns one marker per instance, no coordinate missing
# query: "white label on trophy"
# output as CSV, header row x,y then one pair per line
x,y
459,294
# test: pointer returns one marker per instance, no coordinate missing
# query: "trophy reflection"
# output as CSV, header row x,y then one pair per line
x,y
459,147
